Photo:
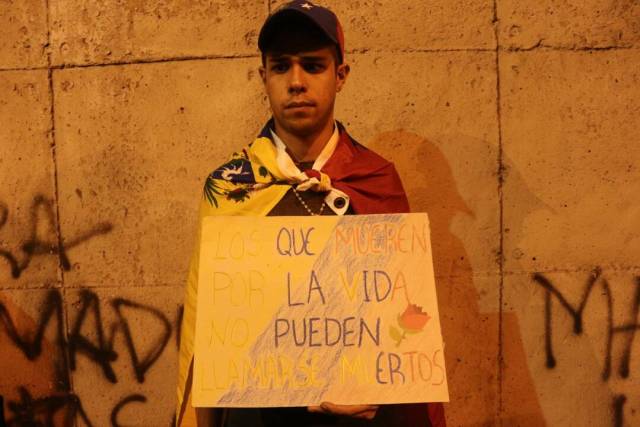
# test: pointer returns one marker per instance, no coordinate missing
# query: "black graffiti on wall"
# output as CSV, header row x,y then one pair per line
x,y
91,337
132,398
626,331
101,349
42,412
42,216
30,411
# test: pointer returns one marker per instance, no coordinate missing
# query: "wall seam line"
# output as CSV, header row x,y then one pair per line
x,y
500,367
351,52
56,199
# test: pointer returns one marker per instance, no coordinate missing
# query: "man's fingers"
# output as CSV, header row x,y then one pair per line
x,y
357,411
315,409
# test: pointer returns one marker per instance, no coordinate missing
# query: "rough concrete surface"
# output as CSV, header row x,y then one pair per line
x,y
115,31
513,124
135,360
411,25
27,206
23,34
582,369
576,150
569,23
134,145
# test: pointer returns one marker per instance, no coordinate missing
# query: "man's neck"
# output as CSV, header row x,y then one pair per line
x,y
305,148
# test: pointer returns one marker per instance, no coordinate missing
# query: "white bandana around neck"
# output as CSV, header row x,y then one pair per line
x,y
335,199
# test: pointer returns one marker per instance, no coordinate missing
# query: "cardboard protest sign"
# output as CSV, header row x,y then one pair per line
x,y
294,311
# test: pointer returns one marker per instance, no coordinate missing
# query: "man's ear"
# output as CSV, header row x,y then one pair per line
x,y
263,74
342,73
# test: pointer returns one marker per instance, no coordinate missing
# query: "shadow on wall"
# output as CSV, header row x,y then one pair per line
x,y
471,337
36,371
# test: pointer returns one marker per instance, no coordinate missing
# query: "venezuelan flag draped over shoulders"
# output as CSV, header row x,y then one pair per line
x,y
252,183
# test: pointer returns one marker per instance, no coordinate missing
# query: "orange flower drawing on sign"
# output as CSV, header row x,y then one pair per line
x,y
411,321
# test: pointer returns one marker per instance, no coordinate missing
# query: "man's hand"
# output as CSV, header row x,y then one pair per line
x,y
366,412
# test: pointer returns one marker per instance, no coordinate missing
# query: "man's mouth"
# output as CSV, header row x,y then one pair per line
x,y
299,104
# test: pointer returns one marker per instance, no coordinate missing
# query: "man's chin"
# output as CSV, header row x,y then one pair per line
x,y
301,126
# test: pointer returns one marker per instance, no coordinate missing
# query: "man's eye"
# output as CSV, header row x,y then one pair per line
x,y
313,67
280,68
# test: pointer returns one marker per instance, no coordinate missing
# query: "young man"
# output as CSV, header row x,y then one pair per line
x,y
303,163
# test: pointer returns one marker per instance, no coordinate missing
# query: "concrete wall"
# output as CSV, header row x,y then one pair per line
x,y
514,124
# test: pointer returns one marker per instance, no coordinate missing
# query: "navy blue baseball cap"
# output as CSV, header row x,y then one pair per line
x,y
324,19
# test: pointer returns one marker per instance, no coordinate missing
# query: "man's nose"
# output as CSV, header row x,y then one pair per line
x,y
297,83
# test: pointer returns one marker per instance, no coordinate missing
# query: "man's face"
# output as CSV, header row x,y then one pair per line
x,y
302,86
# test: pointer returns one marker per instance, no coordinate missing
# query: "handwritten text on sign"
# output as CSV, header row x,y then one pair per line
x,y
293,311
